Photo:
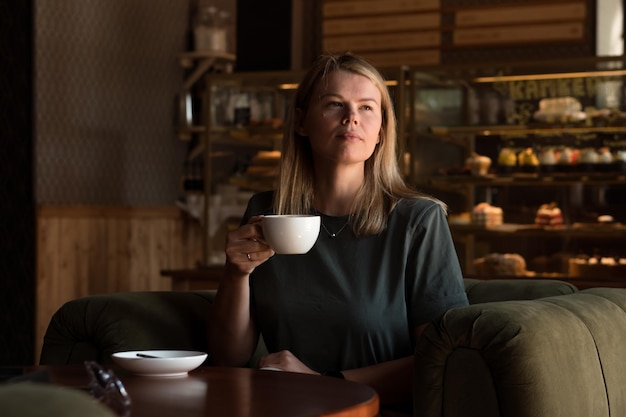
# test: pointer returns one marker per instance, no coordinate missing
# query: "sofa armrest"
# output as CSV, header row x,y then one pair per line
x,y
488,290
94,327
559,355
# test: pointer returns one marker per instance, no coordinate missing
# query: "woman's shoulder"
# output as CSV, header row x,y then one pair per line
x,y
260,203
263,197
419,208
420,204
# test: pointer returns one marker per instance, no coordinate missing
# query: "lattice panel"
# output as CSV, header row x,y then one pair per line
x,y
106,79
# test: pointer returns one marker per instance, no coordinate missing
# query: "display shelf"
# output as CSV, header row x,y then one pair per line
x,y
262,138
530,180
443,116
196,65
515,130
529,230
460,111
201,62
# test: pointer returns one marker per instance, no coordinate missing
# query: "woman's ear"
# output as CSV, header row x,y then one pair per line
x,y
299,128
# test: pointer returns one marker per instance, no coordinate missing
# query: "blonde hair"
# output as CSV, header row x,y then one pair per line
x,y
383,185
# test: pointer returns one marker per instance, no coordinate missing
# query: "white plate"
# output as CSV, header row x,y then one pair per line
x,y
168,363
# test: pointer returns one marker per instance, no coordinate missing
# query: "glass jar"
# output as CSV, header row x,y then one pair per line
x,y
210,30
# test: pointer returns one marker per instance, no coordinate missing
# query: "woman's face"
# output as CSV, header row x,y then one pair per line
x,y
344,119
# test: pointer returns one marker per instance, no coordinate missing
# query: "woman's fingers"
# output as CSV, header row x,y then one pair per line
x,y
245,246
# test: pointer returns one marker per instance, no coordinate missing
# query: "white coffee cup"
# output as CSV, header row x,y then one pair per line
x,y
290,234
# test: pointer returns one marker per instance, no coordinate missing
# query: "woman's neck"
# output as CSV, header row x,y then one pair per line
x,y
335,194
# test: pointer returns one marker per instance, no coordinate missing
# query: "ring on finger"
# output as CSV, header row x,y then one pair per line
x,y
248,256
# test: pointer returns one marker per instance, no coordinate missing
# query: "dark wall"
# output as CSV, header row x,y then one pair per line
x,y
17,202
263,35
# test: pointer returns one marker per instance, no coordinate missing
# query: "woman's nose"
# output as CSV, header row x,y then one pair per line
x,y
349,118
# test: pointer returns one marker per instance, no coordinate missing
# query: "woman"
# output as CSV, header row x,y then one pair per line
x,y
382,268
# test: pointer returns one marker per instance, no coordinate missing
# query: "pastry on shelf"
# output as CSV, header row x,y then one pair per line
x,y
588,159
460,218
556,263
597,266
478,164
549,215
605,117
484,214
547,160
606,219
528,160
619,160
567,160
507,161
501,264
560,110
605,159
602,222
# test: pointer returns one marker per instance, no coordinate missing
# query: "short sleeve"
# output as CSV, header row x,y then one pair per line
x,y
260,203
434,280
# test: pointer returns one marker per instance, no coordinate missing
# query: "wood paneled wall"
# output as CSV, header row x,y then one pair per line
x,y
433,32
84,250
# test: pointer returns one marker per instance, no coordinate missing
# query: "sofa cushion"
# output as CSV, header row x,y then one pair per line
x,y
28,399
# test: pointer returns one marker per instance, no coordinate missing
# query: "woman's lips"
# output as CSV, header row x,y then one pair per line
x,y
349,136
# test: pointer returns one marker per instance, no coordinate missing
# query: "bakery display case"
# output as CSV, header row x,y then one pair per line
x,y
236,152
531,159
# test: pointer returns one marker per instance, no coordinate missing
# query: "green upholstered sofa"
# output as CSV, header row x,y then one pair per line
x,y
522,348
28,399
555,356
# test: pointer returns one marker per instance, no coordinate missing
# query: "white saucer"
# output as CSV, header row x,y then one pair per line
x,y
168,363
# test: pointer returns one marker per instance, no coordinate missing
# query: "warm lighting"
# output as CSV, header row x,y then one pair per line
x,y
288,86
293,86
530,77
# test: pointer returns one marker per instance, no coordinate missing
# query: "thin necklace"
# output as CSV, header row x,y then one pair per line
x,y
334,235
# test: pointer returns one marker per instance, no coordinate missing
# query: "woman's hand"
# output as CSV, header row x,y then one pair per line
x,y
246,248
286,361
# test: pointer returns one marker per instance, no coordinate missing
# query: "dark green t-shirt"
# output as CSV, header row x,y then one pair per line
x,y
352,302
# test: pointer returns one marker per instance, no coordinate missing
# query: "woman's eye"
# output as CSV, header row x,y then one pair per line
x,y
335,104
367,107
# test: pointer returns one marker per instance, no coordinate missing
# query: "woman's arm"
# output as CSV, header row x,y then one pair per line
x,y
232,332
392,380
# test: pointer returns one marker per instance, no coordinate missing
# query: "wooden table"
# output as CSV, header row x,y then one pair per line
x,y
235,392
201,278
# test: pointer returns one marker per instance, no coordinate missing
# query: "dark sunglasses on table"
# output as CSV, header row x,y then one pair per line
x,y
107,388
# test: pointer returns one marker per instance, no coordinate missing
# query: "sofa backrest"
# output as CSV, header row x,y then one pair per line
x,y
483,291
94,327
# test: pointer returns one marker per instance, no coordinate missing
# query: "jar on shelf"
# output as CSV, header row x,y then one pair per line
x,y
241,110
210,30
